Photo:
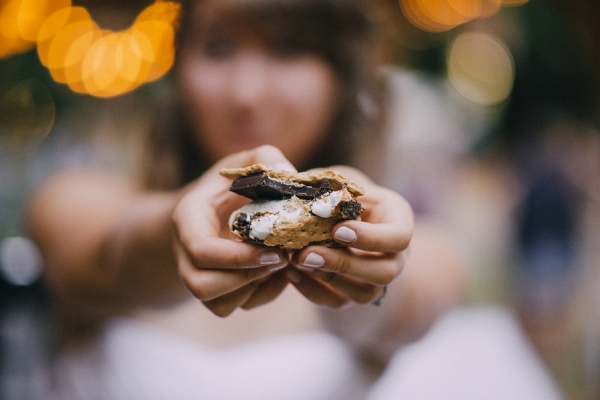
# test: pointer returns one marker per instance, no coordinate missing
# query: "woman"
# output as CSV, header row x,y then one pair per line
x,y
150,265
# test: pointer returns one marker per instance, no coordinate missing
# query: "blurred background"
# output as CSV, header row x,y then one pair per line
x,y
79,81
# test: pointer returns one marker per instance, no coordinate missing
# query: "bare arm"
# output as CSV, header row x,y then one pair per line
x,y
434,280
107,246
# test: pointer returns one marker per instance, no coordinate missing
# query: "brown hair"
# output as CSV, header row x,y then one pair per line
x,y
348,34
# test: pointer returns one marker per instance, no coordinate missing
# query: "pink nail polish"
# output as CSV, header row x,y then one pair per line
x,y
268,258
313,260
345,234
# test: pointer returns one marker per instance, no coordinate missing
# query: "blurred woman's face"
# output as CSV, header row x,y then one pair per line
x,y
241,91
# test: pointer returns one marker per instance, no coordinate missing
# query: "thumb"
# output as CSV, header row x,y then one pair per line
x,y
269,155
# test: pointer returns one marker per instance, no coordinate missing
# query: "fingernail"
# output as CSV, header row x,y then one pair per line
x,y
284,166
313,260
293,276
345,234
268,258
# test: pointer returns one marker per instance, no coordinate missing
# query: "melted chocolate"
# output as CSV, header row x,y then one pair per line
x,y
262,187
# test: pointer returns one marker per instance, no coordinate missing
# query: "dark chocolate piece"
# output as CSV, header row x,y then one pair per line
x,y
241,224
350,209
262,187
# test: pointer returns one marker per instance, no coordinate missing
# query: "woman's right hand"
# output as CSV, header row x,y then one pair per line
x,y
223,273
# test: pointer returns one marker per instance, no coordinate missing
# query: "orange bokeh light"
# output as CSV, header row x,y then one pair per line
x,y
21,20
10,39
104,63
443,15
161,36
33,13
74,59
78,53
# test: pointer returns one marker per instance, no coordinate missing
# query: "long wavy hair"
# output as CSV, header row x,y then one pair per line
x,y
350,35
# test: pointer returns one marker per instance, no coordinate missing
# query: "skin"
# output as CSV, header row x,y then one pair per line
x,y
226,274
243,93
138,247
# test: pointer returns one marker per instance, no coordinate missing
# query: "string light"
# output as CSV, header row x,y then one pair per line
x,y
443,15
480,68
87,58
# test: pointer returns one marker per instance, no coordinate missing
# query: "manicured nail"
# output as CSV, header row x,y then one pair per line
x,y
313,260
345,234
293,276
284,166
268,258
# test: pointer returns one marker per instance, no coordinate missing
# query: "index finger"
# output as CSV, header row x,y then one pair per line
x,y
220,253
265,154
201,234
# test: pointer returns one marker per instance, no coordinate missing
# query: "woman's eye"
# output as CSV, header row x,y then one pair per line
x,y
218,47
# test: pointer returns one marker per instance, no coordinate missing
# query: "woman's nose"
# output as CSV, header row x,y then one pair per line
x,y
250,80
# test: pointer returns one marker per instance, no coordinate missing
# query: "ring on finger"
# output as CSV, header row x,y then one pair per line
x,y
379,301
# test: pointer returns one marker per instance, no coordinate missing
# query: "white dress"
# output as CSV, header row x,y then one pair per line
x,y
470,353
133,360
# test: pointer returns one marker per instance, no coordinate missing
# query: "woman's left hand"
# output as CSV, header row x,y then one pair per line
x,y
373,257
